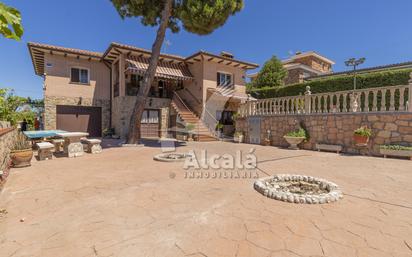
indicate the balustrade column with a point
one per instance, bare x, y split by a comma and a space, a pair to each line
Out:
383, 102
392, 100
410, 96
402, 99
366, 102
375, 101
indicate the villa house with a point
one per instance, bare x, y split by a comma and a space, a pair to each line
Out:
91, 91
302, 66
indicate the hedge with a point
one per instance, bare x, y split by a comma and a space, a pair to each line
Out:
338, 83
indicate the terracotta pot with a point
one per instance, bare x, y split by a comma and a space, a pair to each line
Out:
360, 140
294, 141
21, 158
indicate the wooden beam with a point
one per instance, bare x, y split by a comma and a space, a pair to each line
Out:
51, 52
210, 59
197, 60
237, 65
229, 63
220, 61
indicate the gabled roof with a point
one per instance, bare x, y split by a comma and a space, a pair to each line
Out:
396, 66
306, 54
37, 52
222, 59
116, 48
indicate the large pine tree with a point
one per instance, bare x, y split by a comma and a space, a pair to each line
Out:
196, 16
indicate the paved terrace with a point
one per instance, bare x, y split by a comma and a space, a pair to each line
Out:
121, 203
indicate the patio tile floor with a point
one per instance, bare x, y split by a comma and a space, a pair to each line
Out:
122, 203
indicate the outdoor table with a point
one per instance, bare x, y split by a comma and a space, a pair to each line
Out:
72, 145
37, 136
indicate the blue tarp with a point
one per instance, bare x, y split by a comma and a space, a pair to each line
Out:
42, 133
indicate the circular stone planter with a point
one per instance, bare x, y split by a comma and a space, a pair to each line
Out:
171, 157
294, 141
298, 189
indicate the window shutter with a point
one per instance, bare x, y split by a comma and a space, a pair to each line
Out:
218, 79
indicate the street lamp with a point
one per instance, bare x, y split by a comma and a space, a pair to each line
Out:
352, 62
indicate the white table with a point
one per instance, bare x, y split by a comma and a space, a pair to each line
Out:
72, 145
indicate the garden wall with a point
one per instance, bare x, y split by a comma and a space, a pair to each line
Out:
7, 138
337, 128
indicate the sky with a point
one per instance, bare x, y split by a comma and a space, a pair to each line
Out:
379, 30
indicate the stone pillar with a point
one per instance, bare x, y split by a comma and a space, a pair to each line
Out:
122, 79
308, 102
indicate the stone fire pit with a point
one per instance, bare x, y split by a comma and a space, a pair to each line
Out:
171, 157
298, 189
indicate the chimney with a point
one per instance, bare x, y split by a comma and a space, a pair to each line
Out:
226, 54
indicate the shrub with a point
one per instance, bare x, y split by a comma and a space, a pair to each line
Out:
396, 147
363, 131
297, 133
337, 83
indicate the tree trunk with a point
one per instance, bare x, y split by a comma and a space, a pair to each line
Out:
134, 134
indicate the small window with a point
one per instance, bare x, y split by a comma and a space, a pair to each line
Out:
78, 75
224, 79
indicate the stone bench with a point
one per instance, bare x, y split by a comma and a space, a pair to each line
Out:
330, 148
45, 150
93, 145
58, 144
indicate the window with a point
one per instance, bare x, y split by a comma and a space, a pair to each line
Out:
78, 75
224, 79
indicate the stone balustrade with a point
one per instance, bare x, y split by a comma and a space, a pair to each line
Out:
380, 99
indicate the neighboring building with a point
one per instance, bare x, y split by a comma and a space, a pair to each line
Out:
302, 66
90, 91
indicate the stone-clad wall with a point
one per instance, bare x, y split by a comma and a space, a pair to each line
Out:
50, 103
123, 108
7, 140
387, 128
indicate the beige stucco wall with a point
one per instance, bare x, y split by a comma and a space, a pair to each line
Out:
59, 90
210, 70
58, 78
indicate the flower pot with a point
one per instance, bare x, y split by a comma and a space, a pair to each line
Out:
21, 158
360, 140
294, 141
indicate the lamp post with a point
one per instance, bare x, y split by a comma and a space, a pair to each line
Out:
352, 62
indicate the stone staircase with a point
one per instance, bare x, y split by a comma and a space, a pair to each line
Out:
201, 132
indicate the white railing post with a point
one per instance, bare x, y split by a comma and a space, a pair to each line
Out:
308, 100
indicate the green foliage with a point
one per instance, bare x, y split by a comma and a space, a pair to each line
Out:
338, 83
297, 133
363, 131
271, 75
9, 104
190, 127
10, 22
396, 147
195, 16
21, 143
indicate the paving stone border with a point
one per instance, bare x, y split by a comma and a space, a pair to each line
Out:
263, 186
168, 157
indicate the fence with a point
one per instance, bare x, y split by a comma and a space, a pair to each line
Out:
380, 99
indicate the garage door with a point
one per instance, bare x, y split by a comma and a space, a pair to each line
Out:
79, 119
150, 126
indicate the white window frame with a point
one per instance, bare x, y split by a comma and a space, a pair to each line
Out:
231, 79
79, 68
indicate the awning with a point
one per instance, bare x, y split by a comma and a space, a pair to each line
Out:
231, 93
166, 70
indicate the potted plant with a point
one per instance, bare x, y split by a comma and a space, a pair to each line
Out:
219, 129
189, 128
361, 136
295, 137
21, 154
396, 150
238, 137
